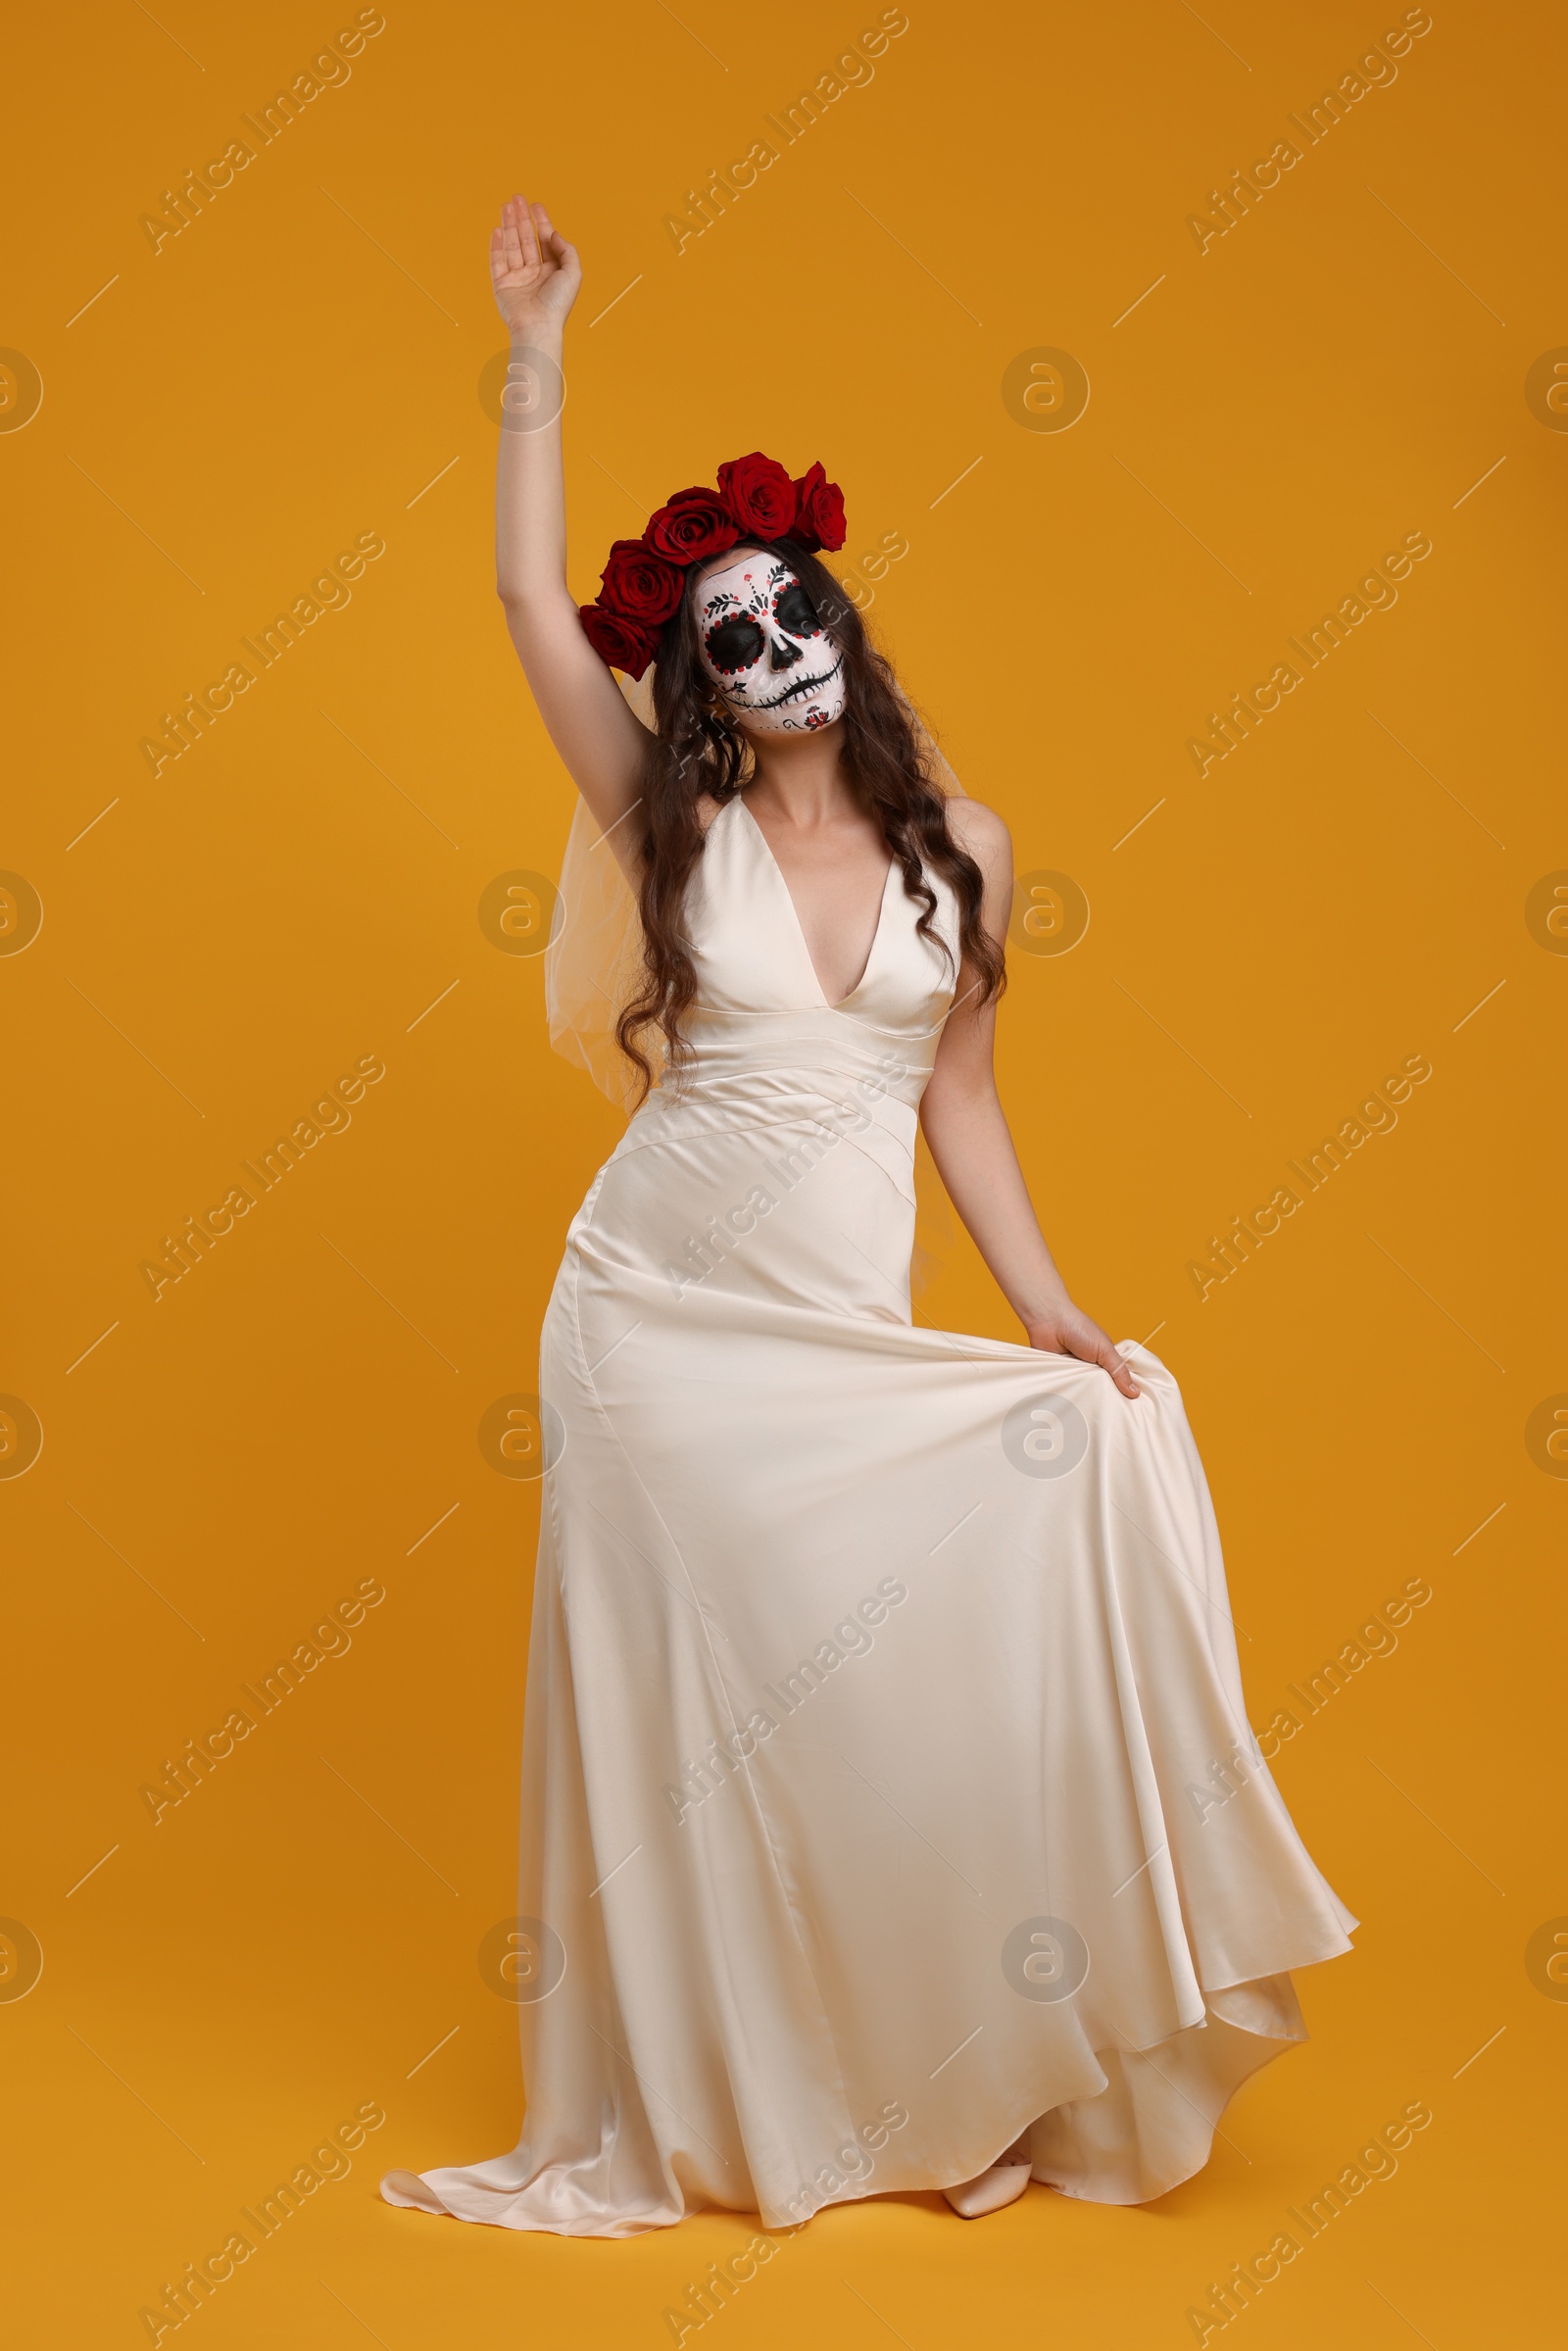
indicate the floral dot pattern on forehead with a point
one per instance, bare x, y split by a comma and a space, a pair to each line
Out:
645, 579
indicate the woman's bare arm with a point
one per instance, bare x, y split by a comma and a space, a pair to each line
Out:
536, 275
968, 1131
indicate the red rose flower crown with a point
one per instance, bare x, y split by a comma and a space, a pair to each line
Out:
645, 579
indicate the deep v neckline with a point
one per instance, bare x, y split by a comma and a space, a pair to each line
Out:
799, 927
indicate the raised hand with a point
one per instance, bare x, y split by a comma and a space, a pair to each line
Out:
535, 272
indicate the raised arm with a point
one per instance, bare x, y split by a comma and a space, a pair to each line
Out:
967, 1130
536, 275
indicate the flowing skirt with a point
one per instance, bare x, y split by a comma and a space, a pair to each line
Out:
888, 1789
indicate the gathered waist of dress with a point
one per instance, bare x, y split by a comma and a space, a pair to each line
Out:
831, 1053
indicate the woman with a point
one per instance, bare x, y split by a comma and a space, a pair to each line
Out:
891, 1820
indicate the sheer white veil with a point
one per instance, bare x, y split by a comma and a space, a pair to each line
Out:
594, 961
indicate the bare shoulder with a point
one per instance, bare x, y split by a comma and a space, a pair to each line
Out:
707, 809
981, 833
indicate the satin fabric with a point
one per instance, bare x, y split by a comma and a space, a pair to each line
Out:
888, 1789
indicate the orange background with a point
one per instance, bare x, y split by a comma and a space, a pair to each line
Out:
300, 365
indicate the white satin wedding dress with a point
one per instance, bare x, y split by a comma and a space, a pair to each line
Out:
888, 1790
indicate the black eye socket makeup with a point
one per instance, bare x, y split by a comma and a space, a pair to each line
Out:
796, 611
734, 645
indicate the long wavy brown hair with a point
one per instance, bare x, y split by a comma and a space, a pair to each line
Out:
884, 756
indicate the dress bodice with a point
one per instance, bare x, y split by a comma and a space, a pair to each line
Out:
759, 1004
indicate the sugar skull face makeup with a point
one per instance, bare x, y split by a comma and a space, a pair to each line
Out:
765, 650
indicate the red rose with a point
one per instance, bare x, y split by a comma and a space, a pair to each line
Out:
622, 644
691, 527
639, 584
818, 511
759, 493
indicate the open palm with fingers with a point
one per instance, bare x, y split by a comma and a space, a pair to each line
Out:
535, 272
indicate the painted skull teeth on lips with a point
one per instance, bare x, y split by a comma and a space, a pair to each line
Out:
763, 646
